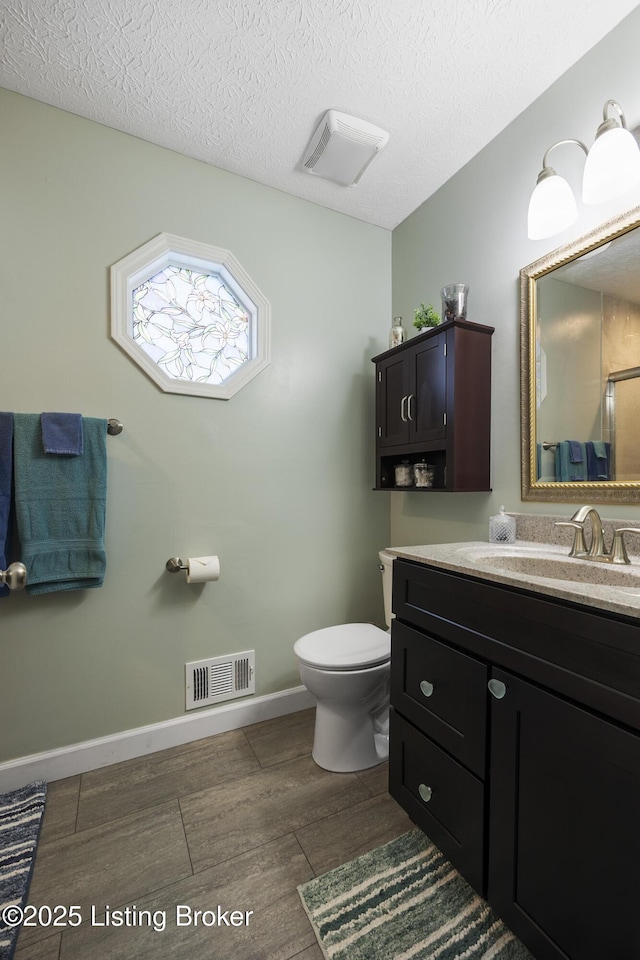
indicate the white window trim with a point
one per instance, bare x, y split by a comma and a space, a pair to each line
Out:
150, 259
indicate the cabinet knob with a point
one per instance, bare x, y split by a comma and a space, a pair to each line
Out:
497, 688
426, 688
425, 792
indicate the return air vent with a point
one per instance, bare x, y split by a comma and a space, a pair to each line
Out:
222, 678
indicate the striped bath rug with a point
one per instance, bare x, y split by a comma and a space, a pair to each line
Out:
20, 818
404, 901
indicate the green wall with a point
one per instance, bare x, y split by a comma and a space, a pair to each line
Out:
474, 230
277, 481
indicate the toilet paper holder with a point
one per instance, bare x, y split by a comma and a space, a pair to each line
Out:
175, 565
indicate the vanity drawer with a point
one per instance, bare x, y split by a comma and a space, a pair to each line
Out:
442, 691
440, 796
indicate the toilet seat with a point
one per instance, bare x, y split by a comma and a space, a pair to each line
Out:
348, 646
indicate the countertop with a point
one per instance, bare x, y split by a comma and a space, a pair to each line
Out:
476, 559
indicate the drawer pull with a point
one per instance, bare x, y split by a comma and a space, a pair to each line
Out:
426, 688
497, 688
425, 792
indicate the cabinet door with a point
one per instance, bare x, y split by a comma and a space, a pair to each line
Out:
564, 842
392, 386
426, 406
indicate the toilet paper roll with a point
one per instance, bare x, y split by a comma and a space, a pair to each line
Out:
202, 569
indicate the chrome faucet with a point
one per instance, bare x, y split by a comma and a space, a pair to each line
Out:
597, 550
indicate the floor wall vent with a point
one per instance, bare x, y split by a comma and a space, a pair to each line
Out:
221, 678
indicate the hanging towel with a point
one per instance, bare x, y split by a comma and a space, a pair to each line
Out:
568, 470
601, 449
6, 481
576, 451
598, 460
60, 508
62, 433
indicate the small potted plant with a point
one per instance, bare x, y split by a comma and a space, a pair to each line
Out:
426, 317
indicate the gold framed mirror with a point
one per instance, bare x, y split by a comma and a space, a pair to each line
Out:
580, 368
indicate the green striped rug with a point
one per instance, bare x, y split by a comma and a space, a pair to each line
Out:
404, 901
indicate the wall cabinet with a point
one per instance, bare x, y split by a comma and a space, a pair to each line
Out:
515, 746
433, 402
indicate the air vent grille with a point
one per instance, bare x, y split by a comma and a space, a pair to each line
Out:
221, 678
319, 150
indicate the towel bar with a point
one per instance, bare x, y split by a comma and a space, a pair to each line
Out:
15, 576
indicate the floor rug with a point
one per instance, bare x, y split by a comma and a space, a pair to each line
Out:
20, 818
404, 901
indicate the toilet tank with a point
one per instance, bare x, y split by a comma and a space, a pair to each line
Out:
386, 566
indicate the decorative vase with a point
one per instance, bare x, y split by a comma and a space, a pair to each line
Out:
398, 333
454, 301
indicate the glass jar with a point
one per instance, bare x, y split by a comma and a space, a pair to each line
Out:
398, 333
454, 301
423, 474
403, 474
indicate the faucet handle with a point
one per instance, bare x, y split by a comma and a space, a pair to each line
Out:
579, 548
619, 548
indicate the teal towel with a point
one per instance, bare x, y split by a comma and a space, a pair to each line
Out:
60, 508
600, 449
568, 470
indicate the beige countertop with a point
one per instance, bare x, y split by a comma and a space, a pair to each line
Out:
606, 586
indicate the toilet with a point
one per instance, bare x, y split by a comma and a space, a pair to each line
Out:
347, 669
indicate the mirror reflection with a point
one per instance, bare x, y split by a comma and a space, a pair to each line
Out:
581, 311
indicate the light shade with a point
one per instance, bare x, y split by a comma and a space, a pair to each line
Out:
612, 167
552, 207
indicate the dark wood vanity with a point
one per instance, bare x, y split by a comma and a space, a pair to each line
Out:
515, 746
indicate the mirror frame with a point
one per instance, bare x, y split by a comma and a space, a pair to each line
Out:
610, 491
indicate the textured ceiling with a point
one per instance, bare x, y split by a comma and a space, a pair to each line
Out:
241, 84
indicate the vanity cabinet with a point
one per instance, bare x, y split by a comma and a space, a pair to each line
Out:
433, 403
515, 746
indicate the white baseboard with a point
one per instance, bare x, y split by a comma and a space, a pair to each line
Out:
91, 754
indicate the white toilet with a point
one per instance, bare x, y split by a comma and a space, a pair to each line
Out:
347, 669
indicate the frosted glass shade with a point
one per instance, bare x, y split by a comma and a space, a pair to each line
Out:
612, 167
552, 208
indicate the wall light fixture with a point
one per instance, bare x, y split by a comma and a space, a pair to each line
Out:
612, 167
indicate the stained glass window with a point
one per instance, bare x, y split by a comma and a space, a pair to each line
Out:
190, 316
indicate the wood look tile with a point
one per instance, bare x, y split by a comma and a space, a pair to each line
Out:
263, 881
123, 788
336, 839
376, 779
282, 738
311, 953
61, 809
223, 821
112, 863
48, 949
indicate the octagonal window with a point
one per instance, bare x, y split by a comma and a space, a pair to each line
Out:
189, 315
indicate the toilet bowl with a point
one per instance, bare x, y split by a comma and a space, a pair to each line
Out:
347, 667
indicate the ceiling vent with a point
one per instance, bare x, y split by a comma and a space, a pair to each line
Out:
342, 148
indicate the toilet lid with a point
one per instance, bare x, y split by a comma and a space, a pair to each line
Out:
349, 646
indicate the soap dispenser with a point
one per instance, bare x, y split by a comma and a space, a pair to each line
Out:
502, 528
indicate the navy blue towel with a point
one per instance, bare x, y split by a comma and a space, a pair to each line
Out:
6, 486
598, 460
62, 433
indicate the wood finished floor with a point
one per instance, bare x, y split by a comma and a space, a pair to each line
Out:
237, 820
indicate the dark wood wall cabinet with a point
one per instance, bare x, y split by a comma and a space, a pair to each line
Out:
515, 746
433, 403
